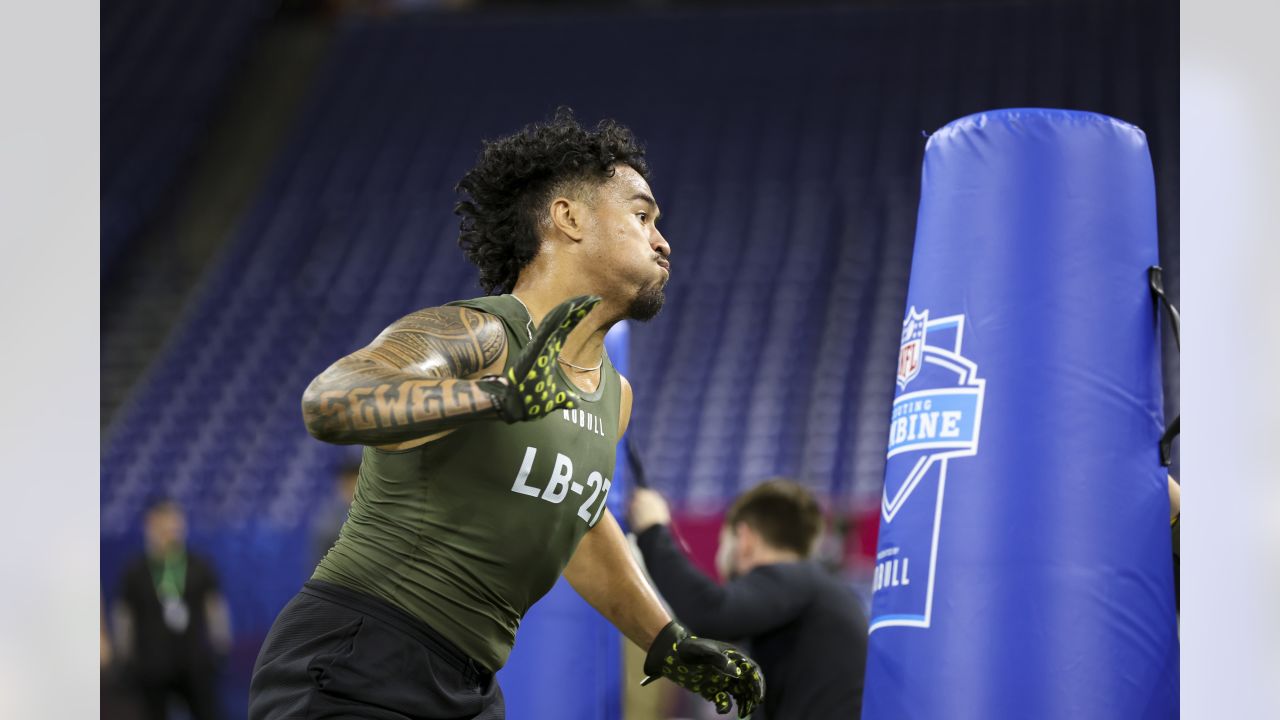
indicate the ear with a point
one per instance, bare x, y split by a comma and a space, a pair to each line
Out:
748, 541
568, 216
726, 553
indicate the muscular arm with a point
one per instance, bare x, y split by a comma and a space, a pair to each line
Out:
415, 379
604, 572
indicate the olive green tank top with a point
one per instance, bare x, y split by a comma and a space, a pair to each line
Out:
468, 531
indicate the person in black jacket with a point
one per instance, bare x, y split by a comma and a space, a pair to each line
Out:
172, 627
804, 627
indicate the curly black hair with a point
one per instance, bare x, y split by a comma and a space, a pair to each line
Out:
517, 176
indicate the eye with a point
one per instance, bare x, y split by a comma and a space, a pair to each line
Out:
644, 217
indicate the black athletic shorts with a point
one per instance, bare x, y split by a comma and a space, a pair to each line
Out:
337, 653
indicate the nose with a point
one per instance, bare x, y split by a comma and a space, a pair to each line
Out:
660, 244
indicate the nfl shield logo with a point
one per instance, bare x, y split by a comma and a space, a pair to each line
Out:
913, 329
932, 424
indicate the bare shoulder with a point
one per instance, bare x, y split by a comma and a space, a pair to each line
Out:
624, 405
443, 341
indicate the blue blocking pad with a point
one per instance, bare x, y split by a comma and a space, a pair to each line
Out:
1024, 563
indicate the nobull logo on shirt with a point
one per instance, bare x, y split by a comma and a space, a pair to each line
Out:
936, 416
585, 420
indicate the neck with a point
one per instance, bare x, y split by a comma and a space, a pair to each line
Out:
585, 345
161, 551
770, 556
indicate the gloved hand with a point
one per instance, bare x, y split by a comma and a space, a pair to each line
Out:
529, 390
717, 671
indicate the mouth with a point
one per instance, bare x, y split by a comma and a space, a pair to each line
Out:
665, 265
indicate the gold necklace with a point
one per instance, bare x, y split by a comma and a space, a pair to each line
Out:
528, 327
579, 367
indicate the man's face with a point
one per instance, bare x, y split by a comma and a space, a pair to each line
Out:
166, 528
630, 251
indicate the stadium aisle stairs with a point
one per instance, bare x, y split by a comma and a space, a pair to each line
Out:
145, 297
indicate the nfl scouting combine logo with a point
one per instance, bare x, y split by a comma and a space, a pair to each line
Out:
937, 412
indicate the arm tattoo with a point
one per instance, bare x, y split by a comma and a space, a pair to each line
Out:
410, 382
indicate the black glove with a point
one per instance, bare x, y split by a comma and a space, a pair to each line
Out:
529, 389
717, 671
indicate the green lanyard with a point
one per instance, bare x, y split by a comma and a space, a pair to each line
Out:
170, 575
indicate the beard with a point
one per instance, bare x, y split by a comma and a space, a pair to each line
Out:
646, 304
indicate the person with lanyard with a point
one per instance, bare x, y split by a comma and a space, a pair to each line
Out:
172, 626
